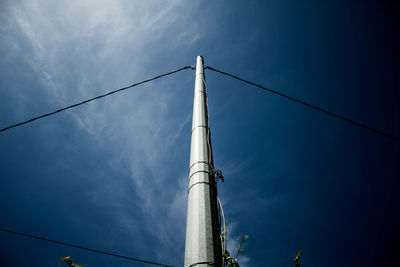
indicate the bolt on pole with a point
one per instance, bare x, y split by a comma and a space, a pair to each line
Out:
203, 243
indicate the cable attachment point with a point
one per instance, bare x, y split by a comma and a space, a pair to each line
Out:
217, 174
192, 67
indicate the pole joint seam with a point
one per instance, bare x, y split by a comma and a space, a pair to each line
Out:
200, 183
202, 262
203, 126
197, 162
190, 177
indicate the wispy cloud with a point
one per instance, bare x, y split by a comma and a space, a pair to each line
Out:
81, 49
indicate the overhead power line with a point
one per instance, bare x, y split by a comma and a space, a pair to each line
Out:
396, 138
84, 248
92, 99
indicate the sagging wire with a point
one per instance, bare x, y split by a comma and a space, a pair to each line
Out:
81, 247
391, 136
93, 99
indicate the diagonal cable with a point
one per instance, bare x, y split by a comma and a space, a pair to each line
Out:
83, 248
393, 137
92, 99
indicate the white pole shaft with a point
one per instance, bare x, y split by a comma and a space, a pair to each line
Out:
202, 228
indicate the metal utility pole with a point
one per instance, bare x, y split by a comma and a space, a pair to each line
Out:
203, 243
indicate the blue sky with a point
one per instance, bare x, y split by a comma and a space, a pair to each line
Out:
112, 174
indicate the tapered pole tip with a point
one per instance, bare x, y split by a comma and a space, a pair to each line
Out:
200, 58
